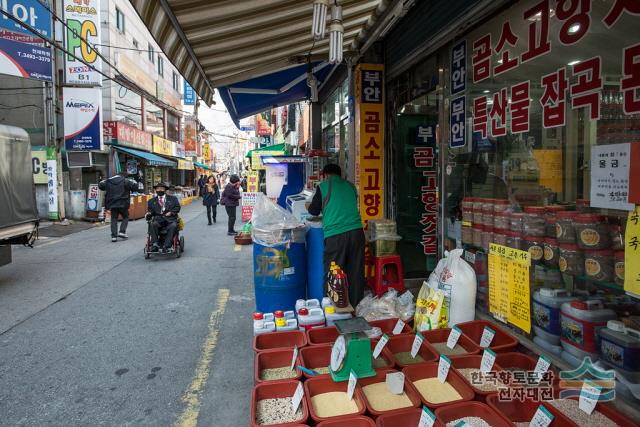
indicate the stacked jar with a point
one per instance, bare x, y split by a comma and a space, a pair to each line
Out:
487, 212
477, 211
500, 227
619, 267
594, 237
565, 229
477, 234
467, 220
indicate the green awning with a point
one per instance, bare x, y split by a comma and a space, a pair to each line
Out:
150, 158
201, 165
277, 147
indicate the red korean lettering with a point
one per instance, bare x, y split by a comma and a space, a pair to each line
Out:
499, 113
427, 218
429, 198
481, 59
431, 181
553, 99
480, 115
423, 157
430, 245
429, 228
373, 179
520, 103
632, 7
372, 148
538, 42
630, 81
586, 91
371, 122
576, 17
507, 37
372, 203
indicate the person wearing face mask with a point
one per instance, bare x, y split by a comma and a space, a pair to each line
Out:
162, 212
231, 199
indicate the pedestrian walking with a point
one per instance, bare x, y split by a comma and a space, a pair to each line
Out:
231, 199
211, 197
201, 182
117, 200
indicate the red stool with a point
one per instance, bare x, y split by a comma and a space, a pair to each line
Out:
387, 273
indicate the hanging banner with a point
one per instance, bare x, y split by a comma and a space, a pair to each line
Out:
52, 183
189, 97
425, 170
190, 140
369, 174
253, 185
82, 119
82, 18
206, 153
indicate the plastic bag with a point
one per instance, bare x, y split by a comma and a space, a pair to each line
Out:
429, 309
457, 279
274, 225
387, 306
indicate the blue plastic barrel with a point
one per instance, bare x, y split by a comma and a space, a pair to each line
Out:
315, 263
279, 275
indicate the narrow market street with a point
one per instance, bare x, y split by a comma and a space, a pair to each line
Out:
91, 333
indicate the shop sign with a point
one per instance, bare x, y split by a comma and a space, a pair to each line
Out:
610, 167
263, 128
23, 53
457, 122
82, 19
132, 167
186, 165
248, 202
256, 158
190, 140
424, 160
206, 153
93, 198
369, 175
253, 184
39, 165
178, 150
82, 119
52, 183
162, 146
459, 67
426, 135
631, 266
189, 95
116, 133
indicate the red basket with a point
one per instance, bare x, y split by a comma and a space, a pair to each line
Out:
319, 385
380, 377
473, 361
450, 413
502, 341
524, 362
385, 354
442, 335
274, 340
315, 356
523, 411
612, 414
275, 390
320, 336
430, 370
274, 359
408, 417
359, 421
402, 343
387, 326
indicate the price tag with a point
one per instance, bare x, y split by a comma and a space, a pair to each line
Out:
427, 418
541, 367
395, 382
542, 417
488, 359
351, 387
470, 257
589, 396
487, 337
443, 368
378, 348
406, 298
453, 337
398, 328
417, 343
297, 397
294, 357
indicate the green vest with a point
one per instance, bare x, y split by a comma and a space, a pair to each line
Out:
339, 206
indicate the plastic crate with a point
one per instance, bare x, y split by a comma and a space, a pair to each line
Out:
403, 343
502, 341
321, 336
275, 340
381, 377
275, 390
442, 335
430, 370
319, 385
274, 359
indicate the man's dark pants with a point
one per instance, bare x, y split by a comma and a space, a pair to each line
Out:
231, 212
347, 251
157, 225
115, 213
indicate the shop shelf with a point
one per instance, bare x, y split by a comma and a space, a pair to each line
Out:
278, 358
319, 385
359, 421
380, 377
320, 336
442, 335
473, 361
502, 341
518, 411
450, 413
430, 370
273, 340
276, 390
409, 417
403, 343
387, 326
523, 362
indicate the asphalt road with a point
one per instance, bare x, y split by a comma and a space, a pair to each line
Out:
92, 334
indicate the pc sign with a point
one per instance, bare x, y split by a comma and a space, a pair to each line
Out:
82, 34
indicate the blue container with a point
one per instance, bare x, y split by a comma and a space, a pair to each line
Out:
279, 275
315, 263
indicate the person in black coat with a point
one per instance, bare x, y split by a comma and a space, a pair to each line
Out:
117, 200
231, 200
210, 198
162, 213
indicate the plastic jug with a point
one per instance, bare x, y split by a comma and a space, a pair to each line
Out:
620, 346
263, 326
326, 301
283, 324
580, 322
310, 318
309, 303
546, 313
331, 315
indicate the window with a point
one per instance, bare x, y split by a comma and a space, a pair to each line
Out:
160, 66
152, 54
119, 20
128, 107
153, 118
176, 81
136, 45
173, 127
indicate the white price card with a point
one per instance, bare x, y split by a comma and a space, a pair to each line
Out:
294, 357
398, 328
297, 397
381, 343
542, 417
542, 366
589, 397
351, 387
487, 337
443, 368
427, 418
488, 359
395, 382
454, 335
417, 343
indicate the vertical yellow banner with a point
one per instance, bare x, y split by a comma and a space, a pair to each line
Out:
632, 253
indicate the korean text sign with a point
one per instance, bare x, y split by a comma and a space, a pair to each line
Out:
424, 161
83, 24
82, 118
189, 97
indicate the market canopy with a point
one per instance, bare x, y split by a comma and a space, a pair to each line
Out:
201, 165
270, 148
150, 158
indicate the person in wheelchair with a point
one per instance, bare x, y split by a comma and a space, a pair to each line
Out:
162, 215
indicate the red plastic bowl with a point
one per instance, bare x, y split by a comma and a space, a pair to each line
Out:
612, 414
320, 336
522, 362
387, 325
450, 413
502, 341
409, 417
315, 356
402, 343
380, 377
274, 359
319, 385
385, 354
430, 370
275, 390
442, 335
523, 411
473, 361
359, 421
274, 340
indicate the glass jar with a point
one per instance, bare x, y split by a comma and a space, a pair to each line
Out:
487, 237
467, 235
500, 206
467, 209
571, 259
550, 226
477, 235
533, 223
598, 265
616, 234
501, 221
514, 240
592, 232
487, 219
477, 205
515, 221
477, 217
499, 237
618, 267
535, 246
565, 229
551, 253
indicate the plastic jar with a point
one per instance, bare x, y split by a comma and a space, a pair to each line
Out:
592, 232
477, 234
501, 221
598, 265
618, 267
477, 205
467, 209
533, 223
487, 219
535, 246
551, 252
616, 234
487, 237
499, 237
477, 217
514, 240
565, 229
550, 225
571, 259
515, 221
467, 235
500, 206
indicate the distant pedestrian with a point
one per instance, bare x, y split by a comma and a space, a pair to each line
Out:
210, 198
231, 200
117, 200
201, 183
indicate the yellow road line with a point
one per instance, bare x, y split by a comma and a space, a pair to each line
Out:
191, 397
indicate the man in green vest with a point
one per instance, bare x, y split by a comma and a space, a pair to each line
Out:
337, 200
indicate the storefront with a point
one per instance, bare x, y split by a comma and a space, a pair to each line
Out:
335, 125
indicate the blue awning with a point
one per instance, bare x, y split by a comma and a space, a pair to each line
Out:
150, 158
244, 99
